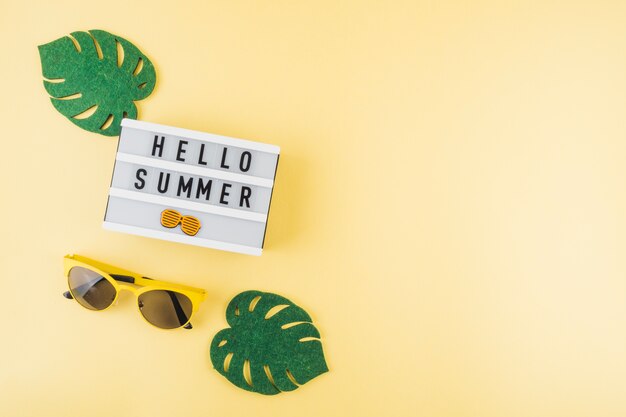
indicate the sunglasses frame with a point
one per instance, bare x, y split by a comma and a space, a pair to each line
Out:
183, 221
123, 280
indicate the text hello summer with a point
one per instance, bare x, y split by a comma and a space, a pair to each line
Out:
188, 186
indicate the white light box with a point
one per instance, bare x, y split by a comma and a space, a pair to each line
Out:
191, 187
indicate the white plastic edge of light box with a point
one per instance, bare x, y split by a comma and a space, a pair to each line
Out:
195, 170
189, 205
207, 137
207, 243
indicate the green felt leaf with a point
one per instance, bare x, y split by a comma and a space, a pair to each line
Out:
83, 74
281, 349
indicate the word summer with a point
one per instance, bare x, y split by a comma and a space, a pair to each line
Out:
193, 188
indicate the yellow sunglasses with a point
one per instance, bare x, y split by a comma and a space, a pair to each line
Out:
188, 224
95, 286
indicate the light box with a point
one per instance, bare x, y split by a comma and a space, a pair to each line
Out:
191, 187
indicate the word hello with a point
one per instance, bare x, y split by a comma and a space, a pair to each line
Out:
245, 160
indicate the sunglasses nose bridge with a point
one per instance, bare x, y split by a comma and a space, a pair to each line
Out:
123, 288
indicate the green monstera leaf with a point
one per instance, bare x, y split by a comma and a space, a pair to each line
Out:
272, 346
94, 77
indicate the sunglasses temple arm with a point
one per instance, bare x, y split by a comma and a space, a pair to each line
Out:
123, 278
180, 314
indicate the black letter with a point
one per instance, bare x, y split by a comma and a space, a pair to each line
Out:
223, 164
200, 161
167, 182
181, 150
224, 193
184, 187
157, 145
241, 163
142, 184
246, 192
202, 189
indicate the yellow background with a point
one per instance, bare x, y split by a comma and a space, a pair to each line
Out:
449, 207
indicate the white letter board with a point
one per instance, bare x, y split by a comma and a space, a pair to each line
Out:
191, 187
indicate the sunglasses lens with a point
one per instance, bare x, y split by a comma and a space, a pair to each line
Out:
170, 218
190, 225
165, 309
91, 289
